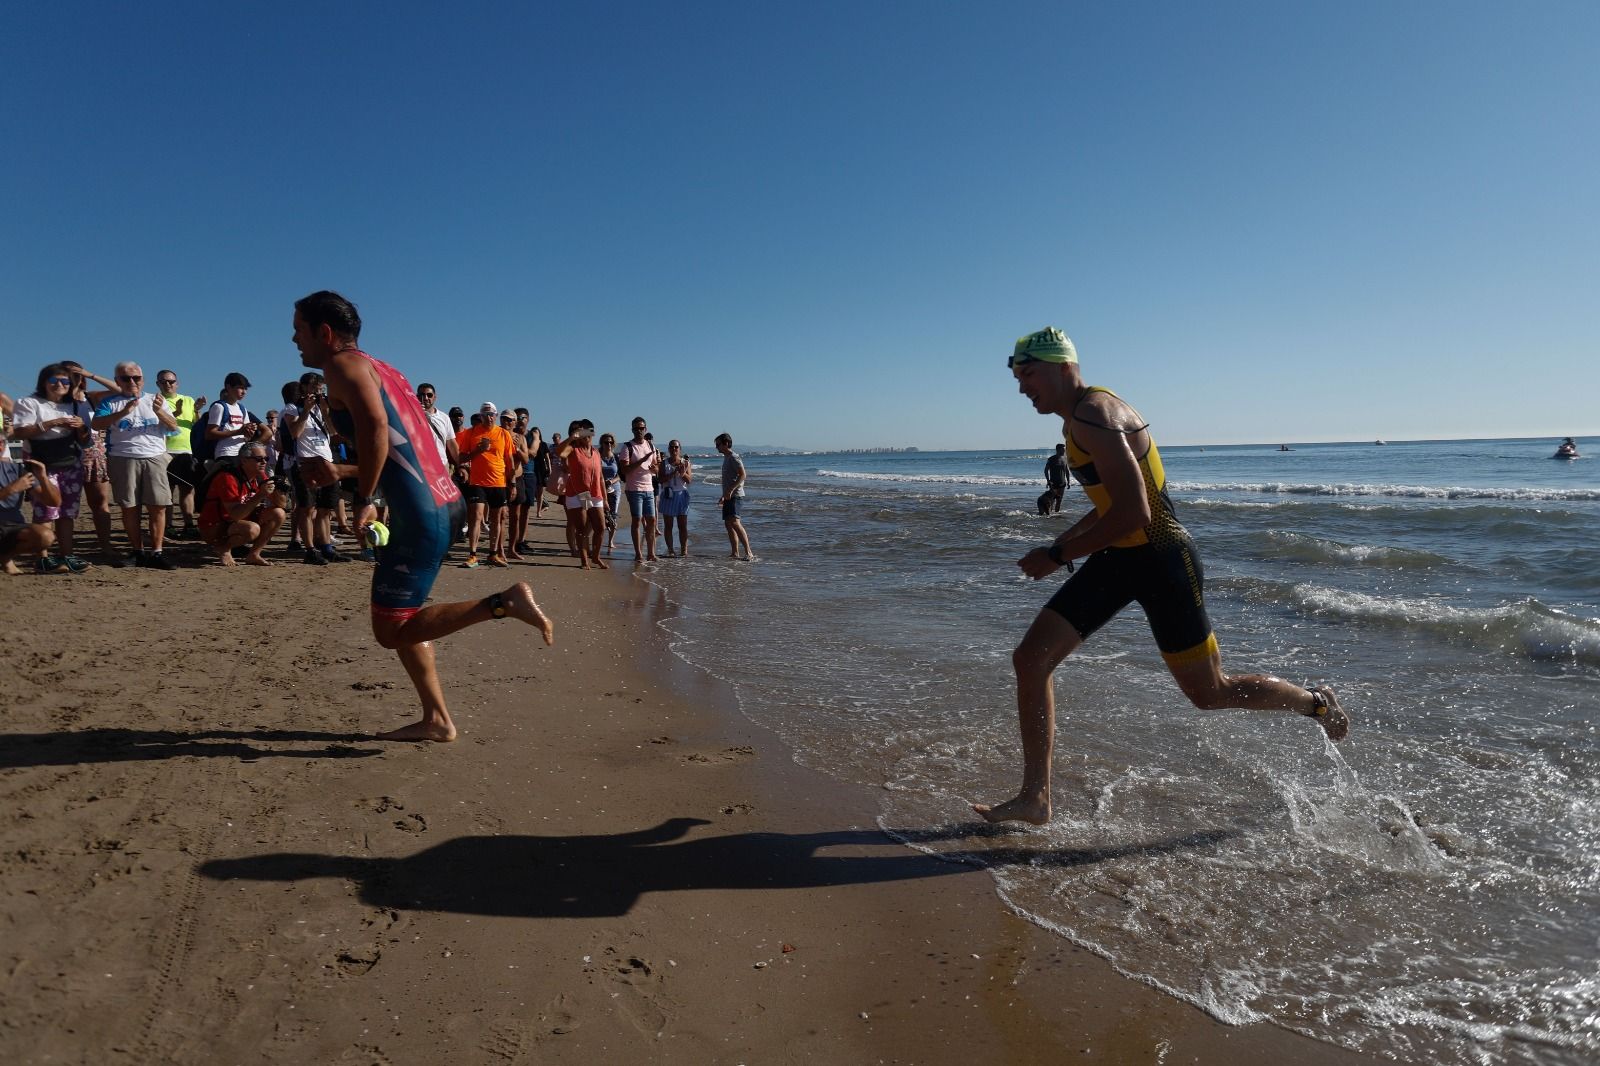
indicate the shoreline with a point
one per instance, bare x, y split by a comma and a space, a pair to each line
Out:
207, 859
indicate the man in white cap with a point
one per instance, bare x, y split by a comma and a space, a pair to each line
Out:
489, 454
1136, 551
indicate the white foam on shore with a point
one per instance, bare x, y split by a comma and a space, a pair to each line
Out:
1419, 492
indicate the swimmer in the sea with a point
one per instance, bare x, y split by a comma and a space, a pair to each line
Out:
372, 403
1136, 551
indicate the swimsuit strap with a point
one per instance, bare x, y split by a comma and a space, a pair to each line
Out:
1099, 425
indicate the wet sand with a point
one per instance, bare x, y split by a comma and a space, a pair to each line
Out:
207, 859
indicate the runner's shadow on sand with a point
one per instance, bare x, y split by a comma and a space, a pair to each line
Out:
71, 747
603, 876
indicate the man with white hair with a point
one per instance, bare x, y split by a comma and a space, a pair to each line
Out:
241, 507
490, 454
137, 424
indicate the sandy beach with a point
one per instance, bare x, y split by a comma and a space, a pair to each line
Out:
206, 859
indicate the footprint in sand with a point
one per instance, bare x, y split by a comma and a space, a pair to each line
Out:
353, 962
507, 1039
638, 992
738, 808
738, 754
381, 805
412, 823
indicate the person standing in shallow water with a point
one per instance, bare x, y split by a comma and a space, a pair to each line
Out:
1136, 551
372, 403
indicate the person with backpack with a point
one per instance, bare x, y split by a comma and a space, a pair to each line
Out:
228, 425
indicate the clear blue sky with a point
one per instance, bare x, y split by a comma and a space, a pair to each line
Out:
823, 224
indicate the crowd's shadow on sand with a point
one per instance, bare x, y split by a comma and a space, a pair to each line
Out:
601, 876
71, 747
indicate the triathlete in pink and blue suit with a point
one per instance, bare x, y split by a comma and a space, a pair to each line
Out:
371, 402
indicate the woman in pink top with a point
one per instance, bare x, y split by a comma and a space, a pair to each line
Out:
585, 493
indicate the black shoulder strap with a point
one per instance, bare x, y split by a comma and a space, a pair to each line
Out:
1100, 425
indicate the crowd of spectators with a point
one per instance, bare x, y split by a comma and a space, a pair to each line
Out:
180, 469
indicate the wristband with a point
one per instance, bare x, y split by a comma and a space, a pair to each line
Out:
363, 501
1054, 551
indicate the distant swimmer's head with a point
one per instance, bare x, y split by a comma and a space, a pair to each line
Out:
1048, 345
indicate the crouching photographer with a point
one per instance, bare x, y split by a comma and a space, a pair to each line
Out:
242, 507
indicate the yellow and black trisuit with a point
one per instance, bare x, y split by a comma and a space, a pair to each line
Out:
1156, 564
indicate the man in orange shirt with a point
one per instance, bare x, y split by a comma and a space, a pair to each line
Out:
488, 452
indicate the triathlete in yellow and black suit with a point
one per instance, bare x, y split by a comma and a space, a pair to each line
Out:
1156, 564
1135, 550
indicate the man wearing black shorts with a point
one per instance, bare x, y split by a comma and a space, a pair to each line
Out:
489, 454
1136, 551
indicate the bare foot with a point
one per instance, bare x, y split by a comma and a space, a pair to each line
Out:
423, 730
496, 560
583, 562
1329, 715
514, 555
226, 559
255, 559
11, 568
651, 558
601, 563
520, 603
1021, 809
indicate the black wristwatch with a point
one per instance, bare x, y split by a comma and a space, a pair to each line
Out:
362, 501
1054, 551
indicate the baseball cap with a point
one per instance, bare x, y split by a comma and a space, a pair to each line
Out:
488, 409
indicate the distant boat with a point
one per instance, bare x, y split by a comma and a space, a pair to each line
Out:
1380, 442
1285, 448
1568, 449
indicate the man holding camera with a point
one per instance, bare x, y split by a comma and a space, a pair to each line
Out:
307, 425
228, 424
241, 508
18, 481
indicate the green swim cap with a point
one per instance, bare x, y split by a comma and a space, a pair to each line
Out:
1048, 345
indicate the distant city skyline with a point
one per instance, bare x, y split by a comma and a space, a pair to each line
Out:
824, 224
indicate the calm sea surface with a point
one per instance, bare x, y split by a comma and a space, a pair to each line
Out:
1430, 890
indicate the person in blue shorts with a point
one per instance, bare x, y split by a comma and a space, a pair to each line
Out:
371, 403
732, 499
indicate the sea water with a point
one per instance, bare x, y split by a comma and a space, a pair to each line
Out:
1429, 889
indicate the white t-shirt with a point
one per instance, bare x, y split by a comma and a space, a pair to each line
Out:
227, 416
31, 411
442, 431
138, 435
312, 443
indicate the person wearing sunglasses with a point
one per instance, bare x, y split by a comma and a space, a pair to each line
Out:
241, 508
137, 424
183, 472
54, 429
1136, 550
